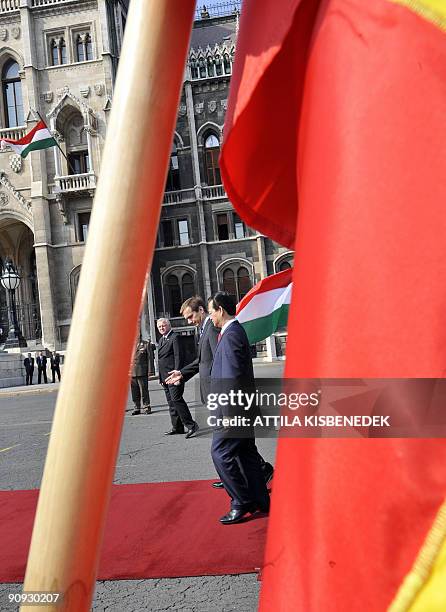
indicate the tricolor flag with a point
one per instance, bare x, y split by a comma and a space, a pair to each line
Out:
38, 138
335, 146
264, 309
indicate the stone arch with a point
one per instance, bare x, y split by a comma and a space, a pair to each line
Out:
209, 126
73, 279
288, 256
7, 53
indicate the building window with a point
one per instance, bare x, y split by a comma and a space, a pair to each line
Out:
173, 176
83, 223
212, 153
58, 51
183, 232
239, 227
84, 47
284, 265
166, 233
236, 280
222, 226
78, 162
179, 286
12, 94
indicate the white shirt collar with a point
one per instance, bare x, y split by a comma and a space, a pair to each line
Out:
226, 325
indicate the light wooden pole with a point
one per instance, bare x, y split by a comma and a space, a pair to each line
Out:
88, 420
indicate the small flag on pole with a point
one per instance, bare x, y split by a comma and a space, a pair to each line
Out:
38, 138
264, 309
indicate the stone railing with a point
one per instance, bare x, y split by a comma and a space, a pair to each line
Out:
13, 133
75, 182
176, 197
213, 192
7, 6
36, 3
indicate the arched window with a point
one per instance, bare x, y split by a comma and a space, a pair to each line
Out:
193, 68
229, 282
218, 65
179, 285
236, 280
80, 49
285, 265
227, 63
243, 282
77, 144
12, 94
173, 176
88, 47
211, 71
212, 153
58, 51
202, 66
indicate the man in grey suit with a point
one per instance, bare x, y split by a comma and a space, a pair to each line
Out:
170, 357
139, 382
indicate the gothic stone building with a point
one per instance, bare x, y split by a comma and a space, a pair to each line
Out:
58, 59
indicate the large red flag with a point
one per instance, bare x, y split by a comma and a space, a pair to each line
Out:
335, 144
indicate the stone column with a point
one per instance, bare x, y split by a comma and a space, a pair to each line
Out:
198, 193
270, 341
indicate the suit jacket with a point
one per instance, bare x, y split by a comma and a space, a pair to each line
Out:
202, 364
170, 355
29, 364
41, 362
142, 358
232, 369
55, 361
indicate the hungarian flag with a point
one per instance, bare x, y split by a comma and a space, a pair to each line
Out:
335, 145
38, 138
264, 309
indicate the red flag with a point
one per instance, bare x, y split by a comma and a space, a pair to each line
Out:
335, 143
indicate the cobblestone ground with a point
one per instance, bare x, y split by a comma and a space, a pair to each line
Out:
145, 456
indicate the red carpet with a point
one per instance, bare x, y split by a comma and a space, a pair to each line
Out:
162, 530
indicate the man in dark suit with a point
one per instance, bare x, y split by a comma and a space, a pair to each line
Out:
195, 312
41, 368
234, 451
29, 368
170, 357
55, 366
139, 381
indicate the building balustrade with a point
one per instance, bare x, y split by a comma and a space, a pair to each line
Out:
176, 197
7, 6
75, 182
13, 133
37, 3
213, 192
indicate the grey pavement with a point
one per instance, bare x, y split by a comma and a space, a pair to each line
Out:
145, 455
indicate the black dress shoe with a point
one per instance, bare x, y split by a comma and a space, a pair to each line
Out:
190, 432
136, 411
218, 484
235, 516
173, 432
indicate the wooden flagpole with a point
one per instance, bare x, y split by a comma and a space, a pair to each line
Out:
89, 414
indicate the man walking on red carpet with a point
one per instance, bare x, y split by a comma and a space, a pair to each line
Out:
233, 450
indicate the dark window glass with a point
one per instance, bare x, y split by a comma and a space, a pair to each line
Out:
212, 153
173, 176
188, 287
84, 222
202, 66
63, 51
218, 65
174, 295
229, 282
239, 227
12, 94
211, 70
194, 69
222, 226
285, 265
88, 47
167, 233
79, 162
183, 231
243, 282
80, 50
54, 53
227, 63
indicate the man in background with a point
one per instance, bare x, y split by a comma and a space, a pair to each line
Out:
55, 366
139, 382
29, 368
41, 368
